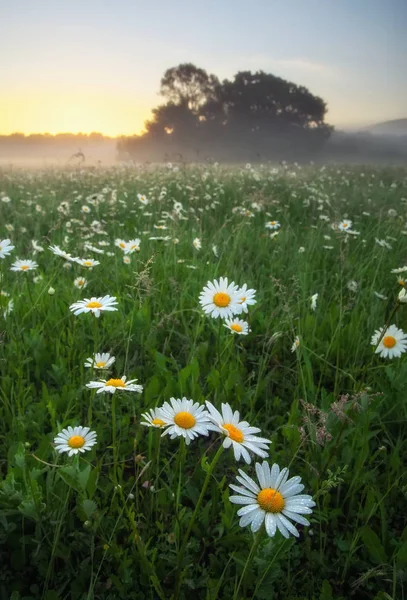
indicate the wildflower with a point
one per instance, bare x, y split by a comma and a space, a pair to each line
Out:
296, 344
246, 298
58, 252
273, 225
237, 326
402, 297
132, 246
94, 305
185, 418
85, 209
399, 270
345, 225
314, 301
393, 342
380, 296
153, 418
383, 244
36, 247
301, 249
126, 260
23, 265
352, 286
121, 244
220, 299
5, 199
5, 248
275, 502
74, 440
100, 361
80, 283
142, 199
215, 251
111, 385
51, 291
197, 244
239, 434
89, 263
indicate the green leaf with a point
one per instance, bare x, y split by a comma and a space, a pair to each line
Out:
89, 507
326, 591
373, 545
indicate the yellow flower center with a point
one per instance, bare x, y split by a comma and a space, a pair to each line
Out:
94, 304
272, 222
221, 299
134, 246
24, 267
389, 341
100, 364
76, 441
270, 500
243, 299
234, 432
87, 263
116, 383
158, 422
345, 225
122, 245
236, 327
185, 420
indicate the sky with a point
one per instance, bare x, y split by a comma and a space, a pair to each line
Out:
96, 65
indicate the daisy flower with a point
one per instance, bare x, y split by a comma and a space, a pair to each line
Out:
345, 225
276, 501
402, 297
89, 263
393, 342
314, 301
142, 199
185, 418
94, 305
220, 298
126, 260
197, 244
153, 418
5, 248
239, 434
121, 244
111, 385
100, 361
80, 283
296, 344
237, 326
246, 298
58, 252
399, 270
74, 440
23, 265
132, 246
273, 225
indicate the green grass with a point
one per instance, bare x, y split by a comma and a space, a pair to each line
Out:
112, 524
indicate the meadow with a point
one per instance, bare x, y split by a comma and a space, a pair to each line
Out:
143, 508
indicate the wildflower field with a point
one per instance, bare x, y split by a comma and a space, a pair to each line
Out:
203, 383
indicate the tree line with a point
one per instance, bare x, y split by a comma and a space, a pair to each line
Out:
253, 115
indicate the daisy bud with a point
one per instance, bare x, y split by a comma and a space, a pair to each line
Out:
51, 291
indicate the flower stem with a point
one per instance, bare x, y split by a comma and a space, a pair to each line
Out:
114, 448
192, 521
249, 560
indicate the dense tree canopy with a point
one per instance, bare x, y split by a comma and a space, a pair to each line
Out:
253, 115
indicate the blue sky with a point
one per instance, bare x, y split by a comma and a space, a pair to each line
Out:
96, 64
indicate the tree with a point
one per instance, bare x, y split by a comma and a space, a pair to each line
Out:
188, 85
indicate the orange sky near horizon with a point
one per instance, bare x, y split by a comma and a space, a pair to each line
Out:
46, 112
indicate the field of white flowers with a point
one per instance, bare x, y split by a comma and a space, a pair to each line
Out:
203, 383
